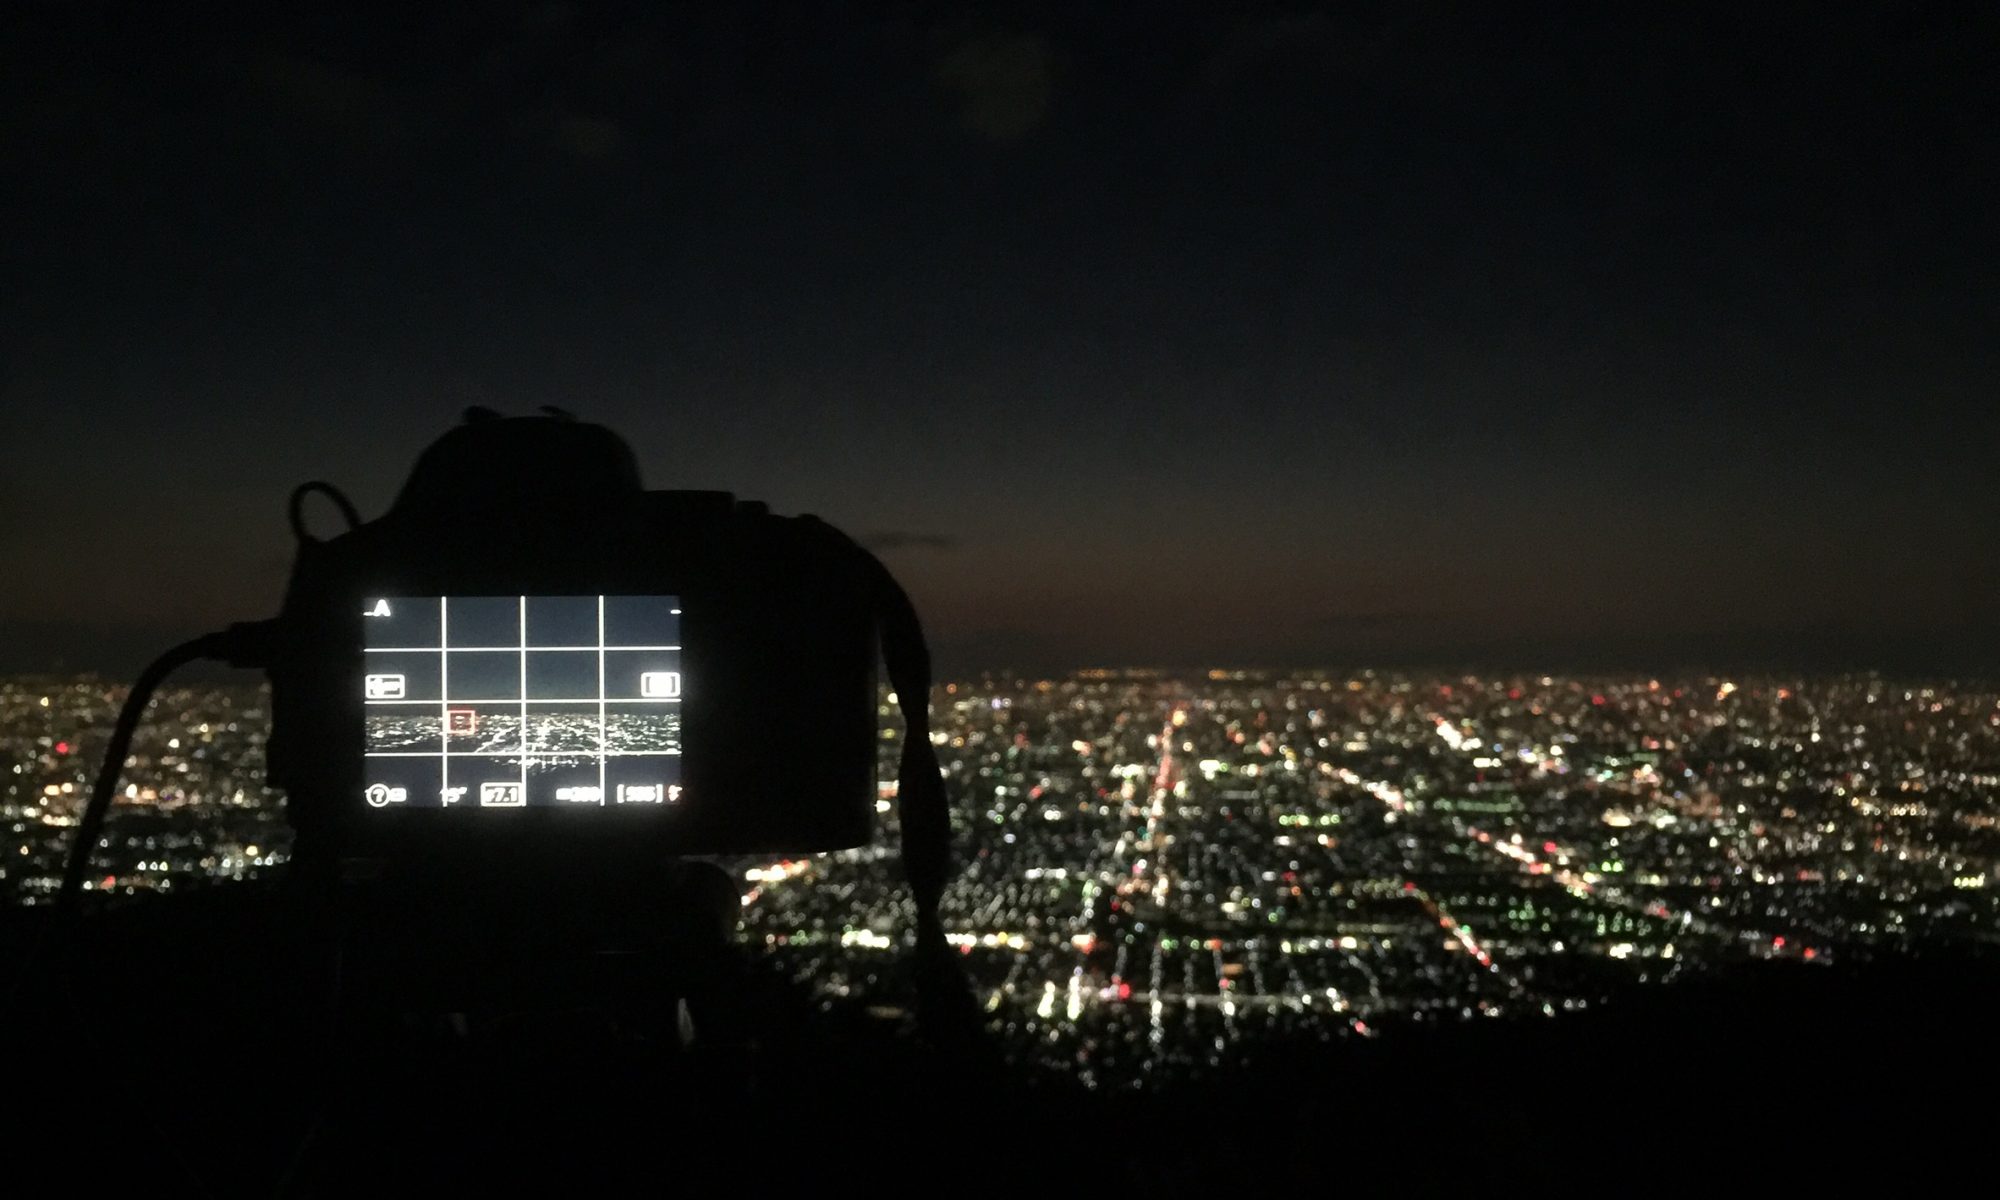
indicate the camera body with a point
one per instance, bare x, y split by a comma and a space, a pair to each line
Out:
530, 656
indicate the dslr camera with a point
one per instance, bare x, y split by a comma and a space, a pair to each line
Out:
512, 715
531, 656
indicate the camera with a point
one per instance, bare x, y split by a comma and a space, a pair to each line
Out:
513, 714
530, 655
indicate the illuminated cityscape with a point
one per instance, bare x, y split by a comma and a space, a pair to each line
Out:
1445, 544
1154, 869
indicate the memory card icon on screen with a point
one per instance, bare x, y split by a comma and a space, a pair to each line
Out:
382, 687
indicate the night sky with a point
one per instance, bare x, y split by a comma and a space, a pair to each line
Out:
1641, 336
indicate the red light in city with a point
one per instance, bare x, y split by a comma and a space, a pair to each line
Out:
62, 747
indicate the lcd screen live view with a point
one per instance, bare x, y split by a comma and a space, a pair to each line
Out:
497, 702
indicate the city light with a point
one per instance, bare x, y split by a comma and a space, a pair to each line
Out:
1151, 870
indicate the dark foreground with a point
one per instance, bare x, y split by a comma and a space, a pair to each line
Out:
179, 1046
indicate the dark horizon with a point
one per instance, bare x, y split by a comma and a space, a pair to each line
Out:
115, 655
1225, 336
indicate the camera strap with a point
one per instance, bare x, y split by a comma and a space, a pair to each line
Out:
945, 1005
921, 805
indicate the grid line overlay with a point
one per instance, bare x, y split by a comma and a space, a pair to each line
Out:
540, 699
511, 649
444, 700
603, 733
511, 754
524, 701
558, 748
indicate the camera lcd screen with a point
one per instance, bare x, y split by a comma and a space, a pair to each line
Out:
514, 702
